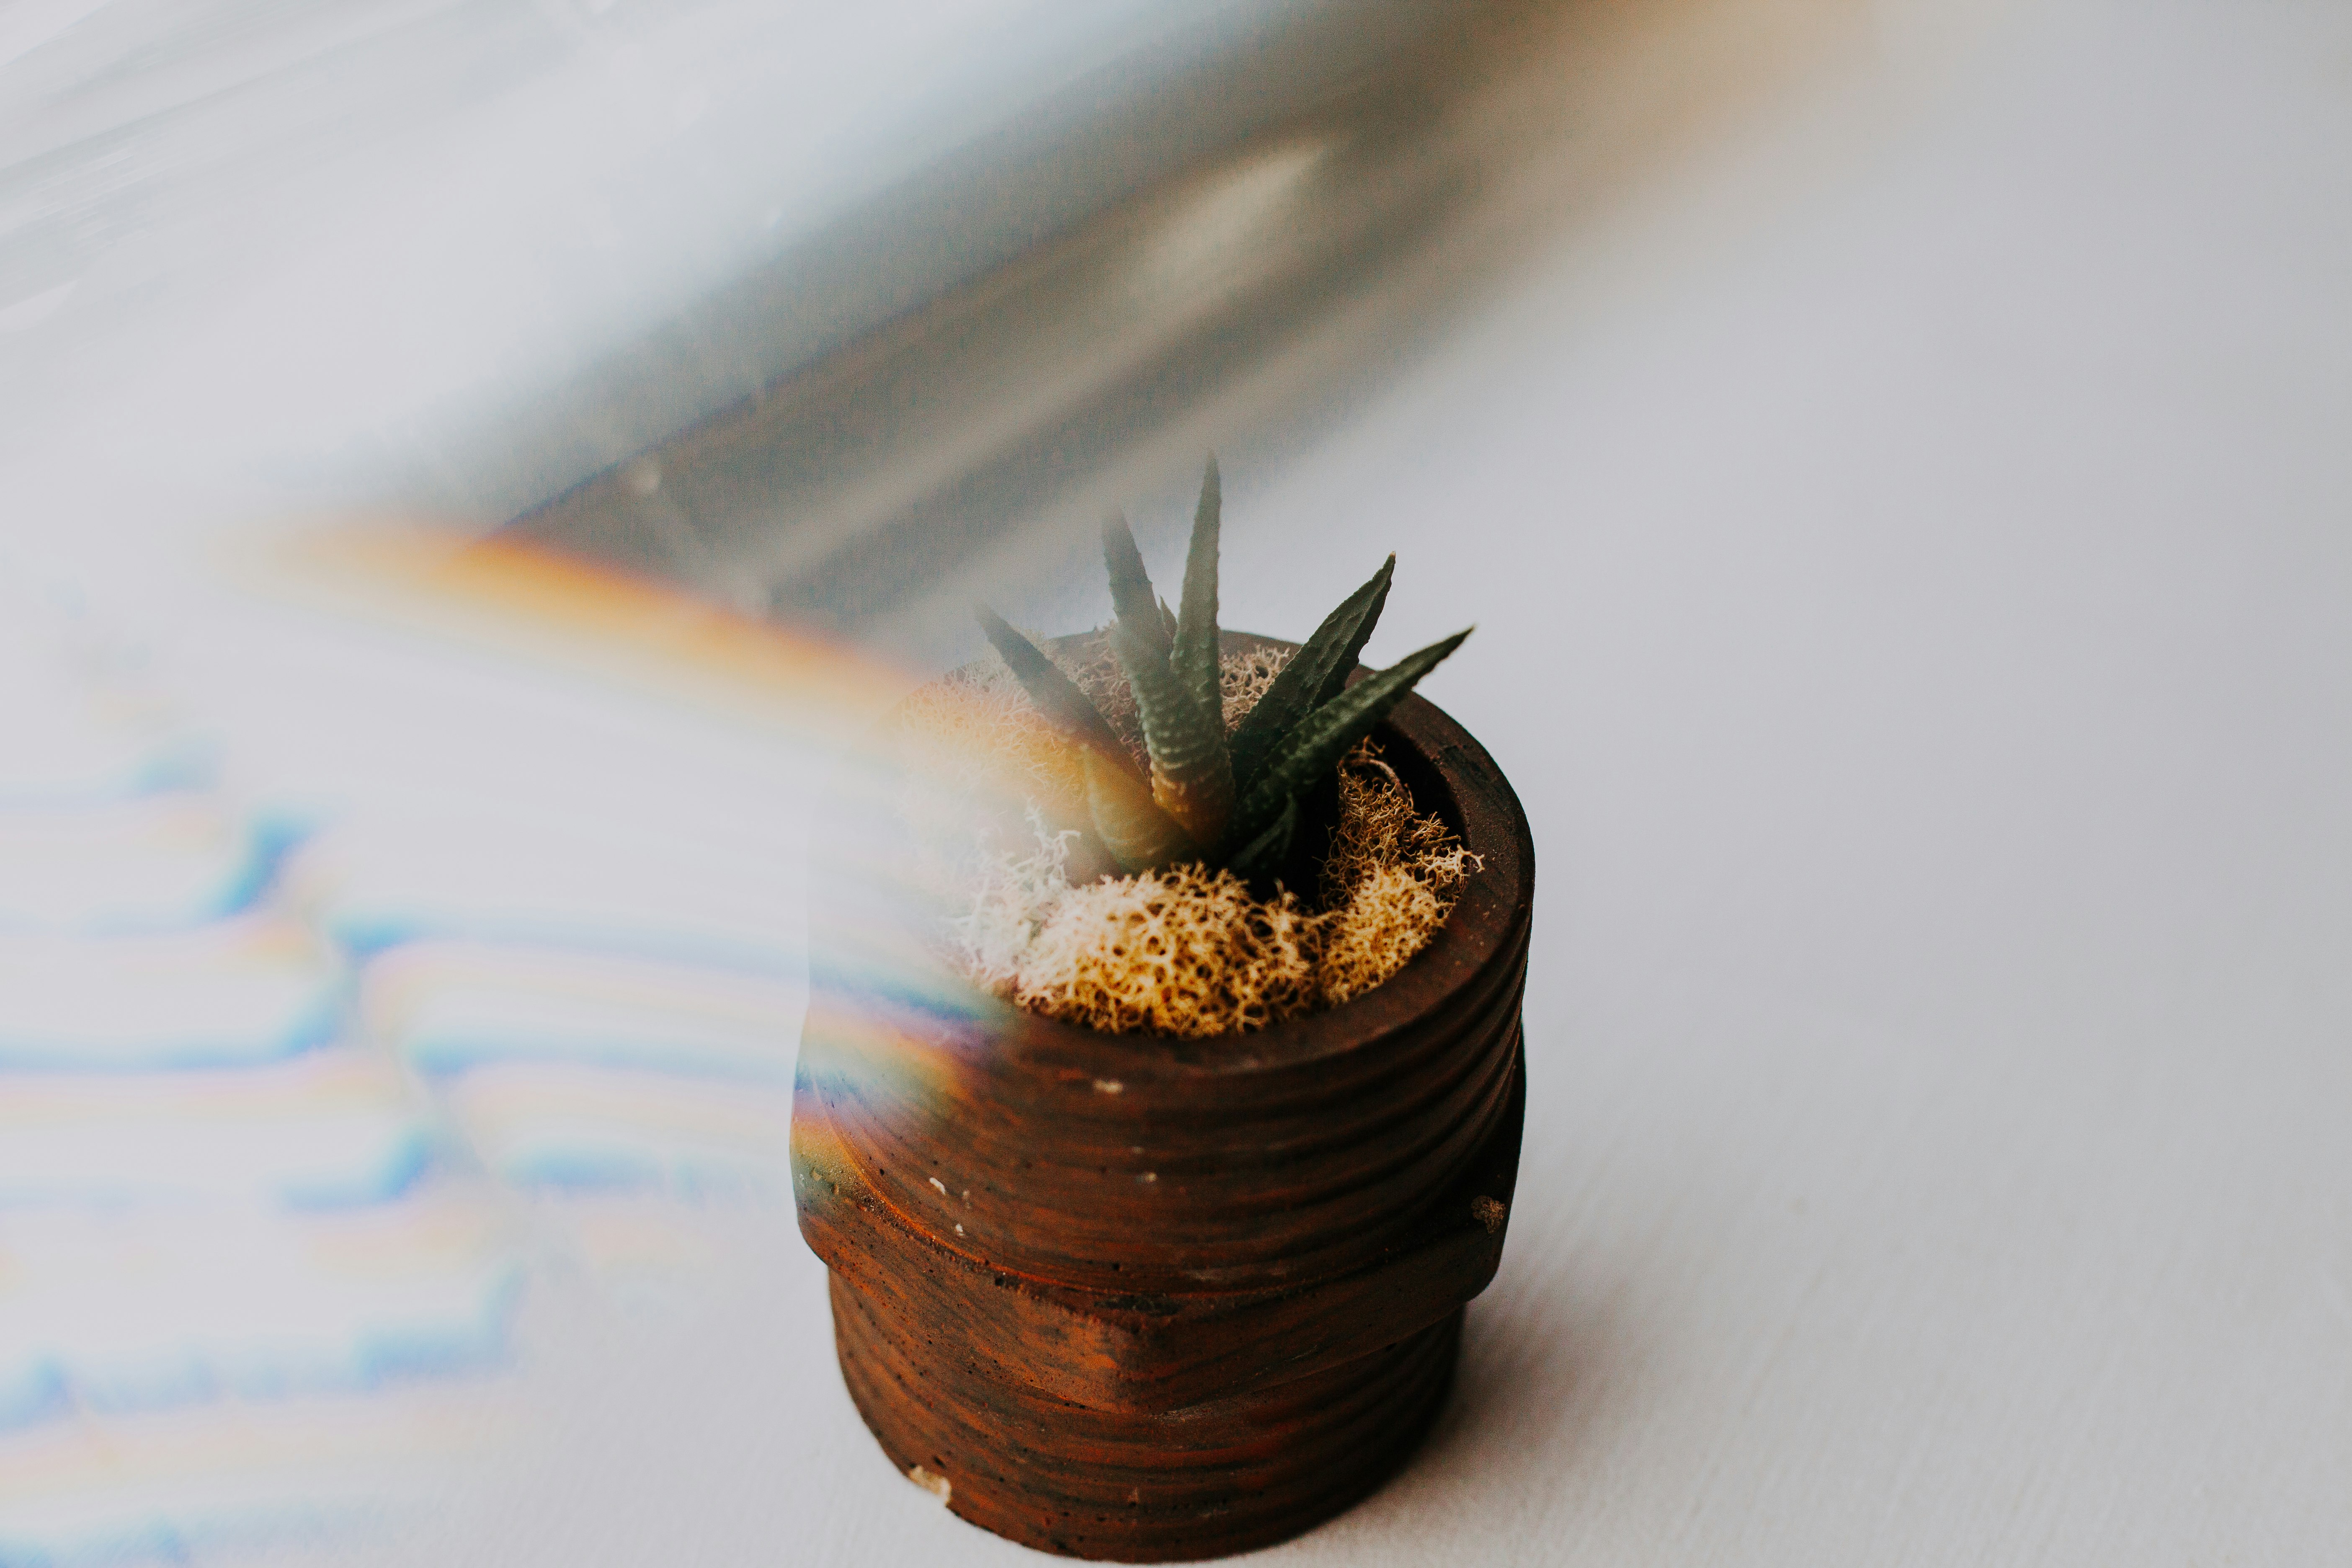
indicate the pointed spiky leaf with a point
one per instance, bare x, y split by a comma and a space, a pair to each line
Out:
1130, 584
1190, 777
1315, 747
1138, 835
1352, 650
1264, 853
1194, 658
1295, 692
1057, 696
1167, 619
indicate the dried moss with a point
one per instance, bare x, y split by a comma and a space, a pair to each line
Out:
1176, 952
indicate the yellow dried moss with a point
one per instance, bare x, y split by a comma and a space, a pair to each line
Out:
1389, 879
1185, 952
1178, 951
1168, 952
1242, 679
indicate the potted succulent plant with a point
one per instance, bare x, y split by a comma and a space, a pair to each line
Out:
1173, 1264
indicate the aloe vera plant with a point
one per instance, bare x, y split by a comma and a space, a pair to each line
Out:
1231, 800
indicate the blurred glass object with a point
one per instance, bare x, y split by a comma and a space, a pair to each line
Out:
471, 252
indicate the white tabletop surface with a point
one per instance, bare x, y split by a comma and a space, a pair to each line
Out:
1912, 554
1920, 622
1911, 544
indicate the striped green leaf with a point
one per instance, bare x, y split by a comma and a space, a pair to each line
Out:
1138, 835
1300, 688
1193, 659
1352, 650
1190, 777
1263, 854
1057, 696
1130, 584
1315, 747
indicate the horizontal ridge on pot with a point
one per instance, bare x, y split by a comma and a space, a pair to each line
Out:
1208, 1481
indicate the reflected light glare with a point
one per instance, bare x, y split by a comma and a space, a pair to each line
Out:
249, 989
157, 1484
446, 1007
327, 1126
295, 1128
1219, 234
568, 1125
152, 861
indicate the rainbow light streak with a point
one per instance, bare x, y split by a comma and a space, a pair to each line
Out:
234, 992
549, 1125
80, 733
168, 1484
146, 863
873, 1051
379, 883
879, 895
332, 1127
174, 1304
291, 1124
448, 1005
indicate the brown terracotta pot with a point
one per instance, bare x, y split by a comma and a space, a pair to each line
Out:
1150, 1300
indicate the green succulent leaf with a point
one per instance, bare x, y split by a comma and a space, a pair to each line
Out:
1057, 696
1315, 747
1194, 656
1130, 584
1350, 652
1312, 677
1264, 852
1191, 776
1138, 835
1240, 800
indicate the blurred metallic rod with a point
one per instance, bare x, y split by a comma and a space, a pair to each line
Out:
776, 504
927, 459
1195, 79
810, 497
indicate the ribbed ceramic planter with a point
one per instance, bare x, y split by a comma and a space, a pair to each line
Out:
1153, 1300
